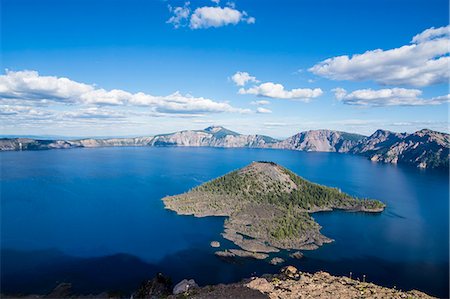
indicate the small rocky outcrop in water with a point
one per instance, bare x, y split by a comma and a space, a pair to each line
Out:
231, 253
215, 244
268, 208
296, 255
276, 261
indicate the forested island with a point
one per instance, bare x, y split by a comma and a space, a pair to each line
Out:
268, 208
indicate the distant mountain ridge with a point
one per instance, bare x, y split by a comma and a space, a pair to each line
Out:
424, 149
321, 141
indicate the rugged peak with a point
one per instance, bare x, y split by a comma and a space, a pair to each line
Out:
219, 131
380, 133
442, 139
425, 132
214, 129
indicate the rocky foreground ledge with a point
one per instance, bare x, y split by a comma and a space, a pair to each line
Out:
289, 284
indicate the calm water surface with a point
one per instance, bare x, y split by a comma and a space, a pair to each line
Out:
94, 217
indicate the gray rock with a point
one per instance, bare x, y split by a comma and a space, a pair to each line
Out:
184, 286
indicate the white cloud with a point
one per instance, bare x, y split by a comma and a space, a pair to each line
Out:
263, 110
231, 4
250, 20
423, 62
260, 103
94, 113
242, 78
208, 16
29, 86
180, 15
387, 97
31, 112
277, 91
339, 93
431, 33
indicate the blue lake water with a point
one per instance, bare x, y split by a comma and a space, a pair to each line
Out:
94, 217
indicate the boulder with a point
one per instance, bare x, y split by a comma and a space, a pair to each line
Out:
291, 272
184, 286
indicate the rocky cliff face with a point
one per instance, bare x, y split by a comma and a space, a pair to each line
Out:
212, 136
320, 141
18, 144
424, 148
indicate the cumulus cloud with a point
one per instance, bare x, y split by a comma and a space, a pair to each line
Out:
387, 97
272, 90
431, 33
277, 91
208, 16
30, 86
242, 78
263, 110
423, 62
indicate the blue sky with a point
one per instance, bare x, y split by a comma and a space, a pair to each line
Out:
130, 69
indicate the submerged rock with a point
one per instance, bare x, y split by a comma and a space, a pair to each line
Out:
184, 286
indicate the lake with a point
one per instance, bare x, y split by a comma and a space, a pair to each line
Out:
94, 217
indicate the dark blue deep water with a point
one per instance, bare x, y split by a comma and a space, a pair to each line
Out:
94, 217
